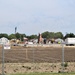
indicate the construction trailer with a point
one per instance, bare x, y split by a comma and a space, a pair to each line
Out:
70, 41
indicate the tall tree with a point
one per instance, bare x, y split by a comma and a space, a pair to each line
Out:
17, 35
46, 35
32, 37
12, 36
22, 36
58, 35
69, 35
52, 35
3, 35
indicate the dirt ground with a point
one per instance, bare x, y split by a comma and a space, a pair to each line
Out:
37, 59
50, 54
13, 68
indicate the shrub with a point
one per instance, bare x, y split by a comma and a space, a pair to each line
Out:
65, 64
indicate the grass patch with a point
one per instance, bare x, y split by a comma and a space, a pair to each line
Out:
46, 74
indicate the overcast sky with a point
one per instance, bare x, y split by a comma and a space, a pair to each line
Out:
37, 16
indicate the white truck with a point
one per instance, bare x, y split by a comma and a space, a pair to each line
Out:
70, 41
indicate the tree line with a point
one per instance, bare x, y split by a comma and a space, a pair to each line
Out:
46, 34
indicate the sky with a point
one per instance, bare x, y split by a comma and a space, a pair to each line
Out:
37, 16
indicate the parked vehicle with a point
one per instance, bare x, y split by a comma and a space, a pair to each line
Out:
70, 41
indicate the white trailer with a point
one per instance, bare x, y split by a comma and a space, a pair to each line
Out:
70, 41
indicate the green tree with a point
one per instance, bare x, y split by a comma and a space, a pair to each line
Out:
17, 35
3, 35
52, 34
69, 35
32, 37
22, 36
58, 35
12, 36
46, 34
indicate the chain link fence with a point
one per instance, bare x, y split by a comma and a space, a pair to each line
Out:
38, 59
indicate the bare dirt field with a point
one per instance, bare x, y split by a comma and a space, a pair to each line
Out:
37, 59
38, 54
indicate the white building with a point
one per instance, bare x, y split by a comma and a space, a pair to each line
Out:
4, 40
